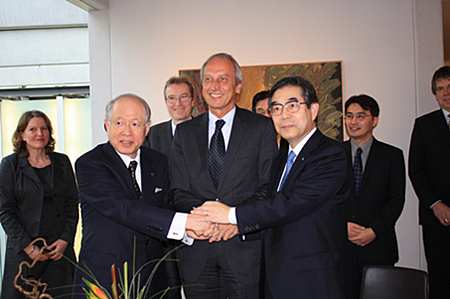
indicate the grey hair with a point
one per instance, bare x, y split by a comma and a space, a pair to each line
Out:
237, 68
108, 108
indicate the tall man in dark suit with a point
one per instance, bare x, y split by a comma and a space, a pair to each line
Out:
229, 164
429, 171
303, 219
178, 93
123, 192
378, 195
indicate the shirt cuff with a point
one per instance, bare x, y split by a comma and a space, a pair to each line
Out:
177, 230
439, 200
232, 215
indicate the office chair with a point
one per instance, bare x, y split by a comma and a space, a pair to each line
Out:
387, 282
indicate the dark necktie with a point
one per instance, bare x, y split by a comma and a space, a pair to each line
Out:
216, 153
132, 169
289, 163
357, 170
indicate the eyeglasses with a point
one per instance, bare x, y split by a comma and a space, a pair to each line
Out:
292, 105
122, 125
183, 98
358, 116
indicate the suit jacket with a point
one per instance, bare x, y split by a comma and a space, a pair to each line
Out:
160, 137
21, 205
115, 220
380, 200
251, 149
304, 224
429, 164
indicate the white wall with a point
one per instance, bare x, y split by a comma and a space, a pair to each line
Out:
389, 50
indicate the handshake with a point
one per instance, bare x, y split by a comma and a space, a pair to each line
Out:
210, 222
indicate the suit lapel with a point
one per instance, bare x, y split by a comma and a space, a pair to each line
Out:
303, 156
201, 145
147, 175
120, 168
29, 172
373, 159
56, 169
442, 127
234, 145
277, 170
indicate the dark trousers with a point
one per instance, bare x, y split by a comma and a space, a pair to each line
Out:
354, 266
436, 241
217, 281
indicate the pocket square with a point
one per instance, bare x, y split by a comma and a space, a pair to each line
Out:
158, 190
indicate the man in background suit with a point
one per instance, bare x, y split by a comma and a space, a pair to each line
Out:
378, 194
229, 164
429, 171
178, 93
124, 205
303, 219
260, 103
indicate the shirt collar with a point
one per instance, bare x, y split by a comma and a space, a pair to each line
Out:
298, 148
127, 159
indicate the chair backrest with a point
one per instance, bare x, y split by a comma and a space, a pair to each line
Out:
389, 282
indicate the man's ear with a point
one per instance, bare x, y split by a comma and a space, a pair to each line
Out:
147, 127
314, 110
375, 121
106, 125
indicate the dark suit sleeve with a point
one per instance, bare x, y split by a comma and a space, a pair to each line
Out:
70, 201
393, 207
418, 167
318, 181
16, 232
102, 188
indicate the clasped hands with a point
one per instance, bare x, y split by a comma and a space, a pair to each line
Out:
210, 222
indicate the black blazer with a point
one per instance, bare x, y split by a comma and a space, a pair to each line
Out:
380, 200
114, 218
304, 224
429, 164
245, 175
160, 137
22, 198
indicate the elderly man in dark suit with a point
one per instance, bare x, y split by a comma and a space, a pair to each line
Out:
378, 195
125, 208
429, 171
223, 155
178, 94
303, 219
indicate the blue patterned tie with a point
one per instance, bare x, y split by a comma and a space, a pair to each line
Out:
216, 153
289, 163
132, 169
357, 170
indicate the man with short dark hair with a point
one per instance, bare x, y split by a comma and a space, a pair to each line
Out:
429, 171
303, 219
178, 95
378, 195
223, 155
260, 103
